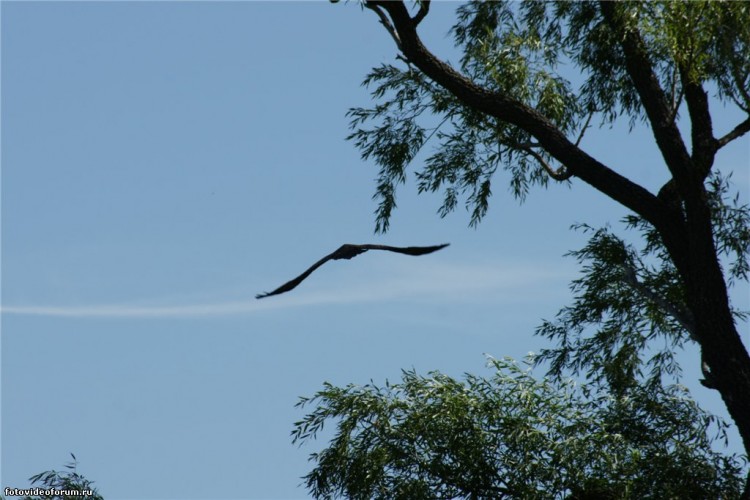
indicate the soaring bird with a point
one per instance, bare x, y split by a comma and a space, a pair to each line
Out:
348, 251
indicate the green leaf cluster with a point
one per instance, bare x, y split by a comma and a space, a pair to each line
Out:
74, 486
512, 436
610, 331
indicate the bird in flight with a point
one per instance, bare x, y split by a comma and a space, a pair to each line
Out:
348, 251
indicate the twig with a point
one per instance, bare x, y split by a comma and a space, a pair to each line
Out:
561, 174
683, 317
386, 22
585, 127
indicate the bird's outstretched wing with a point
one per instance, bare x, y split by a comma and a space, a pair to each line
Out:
290, 285
405, 250
348, 251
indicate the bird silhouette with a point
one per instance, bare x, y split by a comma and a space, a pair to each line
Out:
347, 251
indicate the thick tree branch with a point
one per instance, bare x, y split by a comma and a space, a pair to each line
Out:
424, 8
738, 131
704, 144
691, 248
669, 195
502, 107
652, 96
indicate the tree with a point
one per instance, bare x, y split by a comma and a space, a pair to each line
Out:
511, 436
54, 485
509, 107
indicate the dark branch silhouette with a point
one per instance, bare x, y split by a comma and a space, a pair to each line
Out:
348, 251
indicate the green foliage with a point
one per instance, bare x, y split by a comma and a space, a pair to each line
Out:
530, 51
709, 41
626, 320
512, 436
630, 434
731, 226
69, 484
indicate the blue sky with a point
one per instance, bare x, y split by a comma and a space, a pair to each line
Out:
164, 162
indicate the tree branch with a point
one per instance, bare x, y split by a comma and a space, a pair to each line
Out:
669, 195
740, 84
560, 174
704, 143
683, 317
676, 105
736, 132
385, 22
652, 96
504, 108
424, 8
701, 128
676, 97
583, 130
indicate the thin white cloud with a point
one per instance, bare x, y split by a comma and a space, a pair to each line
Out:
429, 281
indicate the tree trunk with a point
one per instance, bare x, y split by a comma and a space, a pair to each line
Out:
722, 347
